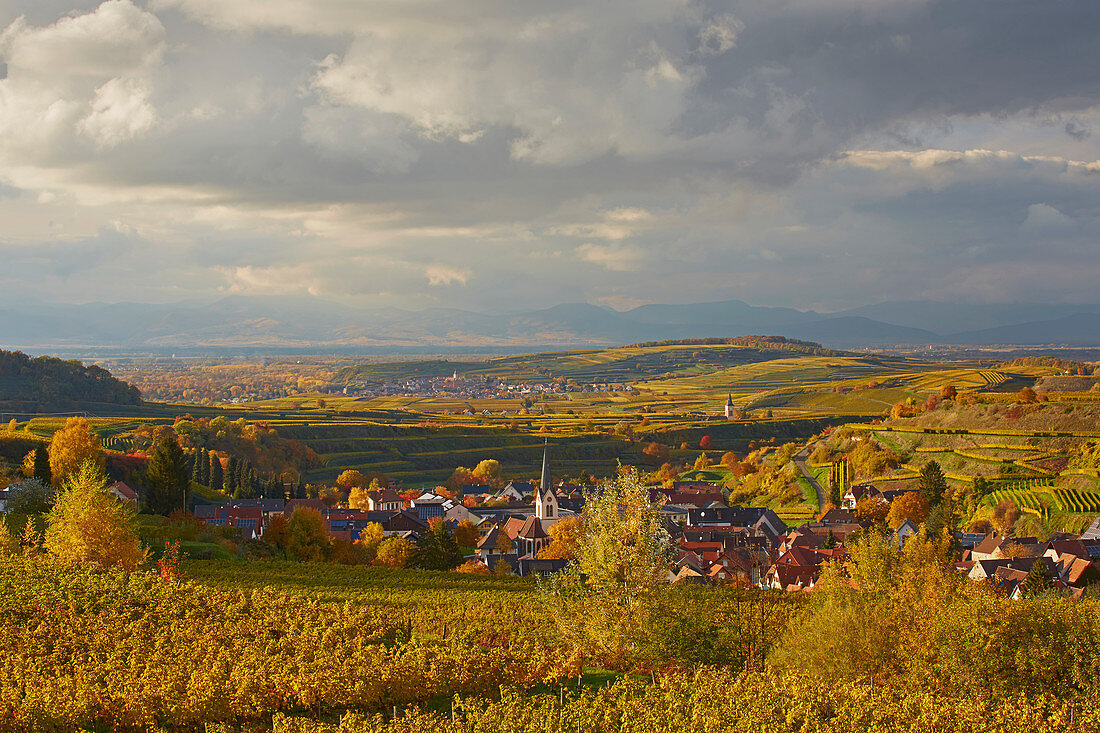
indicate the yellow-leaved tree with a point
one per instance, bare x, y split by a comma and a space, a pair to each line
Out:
610, 600
89, 526
370, 537
71, 446
565, 537
357, 499
9, 543
308, 541
397, 552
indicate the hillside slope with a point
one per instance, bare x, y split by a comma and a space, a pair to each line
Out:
46, 383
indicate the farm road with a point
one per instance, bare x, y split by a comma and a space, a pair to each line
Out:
800, 461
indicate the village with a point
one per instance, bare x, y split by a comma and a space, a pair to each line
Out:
712, 542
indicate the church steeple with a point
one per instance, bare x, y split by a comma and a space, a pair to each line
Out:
544, 483
546, 504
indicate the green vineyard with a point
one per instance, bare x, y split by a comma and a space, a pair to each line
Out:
1077, 501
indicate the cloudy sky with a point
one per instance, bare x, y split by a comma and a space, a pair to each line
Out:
499, 155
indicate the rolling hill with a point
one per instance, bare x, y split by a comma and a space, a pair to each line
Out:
307, 323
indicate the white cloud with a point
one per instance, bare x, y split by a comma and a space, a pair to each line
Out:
120, 111
1046, 218
614, 257
267, 280
720, 34
81, 80
445, 275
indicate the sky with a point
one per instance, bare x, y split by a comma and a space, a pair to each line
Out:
500, 155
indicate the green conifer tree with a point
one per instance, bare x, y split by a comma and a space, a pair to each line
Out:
933, 483
217, 479
42, 466
167, 477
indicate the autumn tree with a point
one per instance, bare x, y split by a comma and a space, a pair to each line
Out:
370, 537
351, 479
466, 534
705, 443
728, 459
1027, 396
357, 499
309, 541
167, 477
910, 505
702, 462
565, 536
277, 532
870, 459
1005, 515
473, 567
656, 452
488, 471
396, 552
948, 392
504, 542
610, 598
71, 446
9, 543
872, 509
89, 526
31, 539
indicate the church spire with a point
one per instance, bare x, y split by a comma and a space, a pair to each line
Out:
544, 483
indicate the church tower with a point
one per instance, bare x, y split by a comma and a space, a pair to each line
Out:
729, 406
546, 503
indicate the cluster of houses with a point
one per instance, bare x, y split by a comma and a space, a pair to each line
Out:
753, 547
714, 542
457, 387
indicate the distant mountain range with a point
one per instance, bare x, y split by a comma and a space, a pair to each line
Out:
266, 322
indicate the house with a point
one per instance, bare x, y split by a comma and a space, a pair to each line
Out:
428, 509
538, 566
293, 504
987, 569
904, 531
688, 575
511, 558
487, 545
838, 516
854, 493
515, 491
4, 495
384, 500
405, 522
122, 492
759, 518
996, 547
791, 577
249, 520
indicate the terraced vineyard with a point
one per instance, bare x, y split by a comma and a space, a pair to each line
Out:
1077, 501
